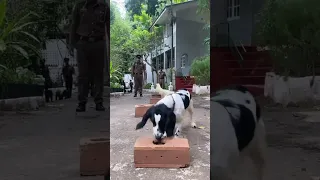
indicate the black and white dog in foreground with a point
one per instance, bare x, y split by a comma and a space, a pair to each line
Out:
237, 131
167, 115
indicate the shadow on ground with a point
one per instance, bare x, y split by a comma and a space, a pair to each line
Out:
44, 144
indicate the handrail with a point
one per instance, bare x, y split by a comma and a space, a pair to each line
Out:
238, 52
216, 26
244, 49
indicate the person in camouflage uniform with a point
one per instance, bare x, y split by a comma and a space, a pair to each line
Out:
162, 76
138, 72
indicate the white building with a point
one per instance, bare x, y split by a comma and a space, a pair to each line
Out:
188, 39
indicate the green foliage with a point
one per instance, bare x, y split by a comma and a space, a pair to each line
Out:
11, 30
153, 7
147, 86
200, 68
115, 85
131, 37
291, 30
18, 76
115, 74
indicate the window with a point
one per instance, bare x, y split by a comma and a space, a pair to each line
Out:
168, 30
154, 62
233, 11
184, 60
161, 61
168, 59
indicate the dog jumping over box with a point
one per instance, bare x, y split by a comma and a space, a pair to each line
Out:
167, 115
237, 130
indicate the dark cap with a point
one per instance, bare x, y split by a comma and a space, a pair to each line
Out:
138, 56
66, 59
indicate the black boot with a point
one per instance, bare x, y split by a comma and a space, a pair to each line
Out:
135, 95
141, 95
100, 107
81, 107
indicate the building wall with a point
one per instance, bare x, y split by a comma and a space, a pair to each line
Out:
242, 30
190, 41
54, 54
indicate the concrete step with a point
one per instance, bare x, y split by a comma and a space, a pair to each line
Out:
259, 71
246, 56
256, 90
254, 80
247, 64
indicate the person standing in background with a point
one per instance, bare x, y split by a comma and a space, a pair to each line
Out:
138, 72
90, 20
162, 76
131, 86
68, 72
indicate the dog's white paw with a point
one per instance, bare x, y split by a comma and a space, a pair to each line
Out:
194, 125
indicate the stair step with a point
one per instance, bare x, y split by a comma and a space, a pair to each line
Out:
256, 90
246, 56
259, 71
254, 80
228, 49
247, 63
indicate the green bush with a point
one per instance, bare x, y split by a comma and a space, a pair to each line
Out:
200, 69
291, 30
147, 86
18, 76
115, 85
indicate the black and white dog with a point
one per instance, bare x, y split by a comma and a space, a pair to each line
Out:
167, 115
237, 130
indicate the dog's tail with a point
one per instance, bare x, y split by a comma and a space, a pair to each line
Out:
161, 91
145, 118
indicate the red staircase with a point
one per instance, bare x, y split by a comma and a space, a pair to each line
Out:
184, 82
250, 73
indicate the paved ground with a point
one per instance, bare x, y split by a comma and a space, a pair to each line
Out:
294, 144
44, 144
123, 136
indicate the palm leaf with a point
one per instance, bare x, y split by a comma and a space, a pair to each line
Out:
2, 45
3, 6
22, 51
27, 45
16, 25
30, 35
3, 67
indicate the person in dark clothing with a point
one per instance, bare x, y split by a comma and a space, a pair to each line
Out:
68, 72
131, 86
138, 72
88, 34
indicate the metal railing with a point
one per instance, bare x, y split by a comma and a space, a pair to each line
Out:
222, 39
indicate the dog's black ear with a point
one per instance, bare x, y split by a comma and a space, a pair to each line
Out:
170, 124
145, 118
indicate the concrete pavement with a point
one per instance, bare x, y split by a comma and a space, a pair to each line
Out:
123, 136
44, 144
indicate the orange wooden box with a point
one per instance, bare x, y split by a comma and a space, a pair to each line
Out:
94, 156
155, 96
141, 109
175, 153
154, 100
